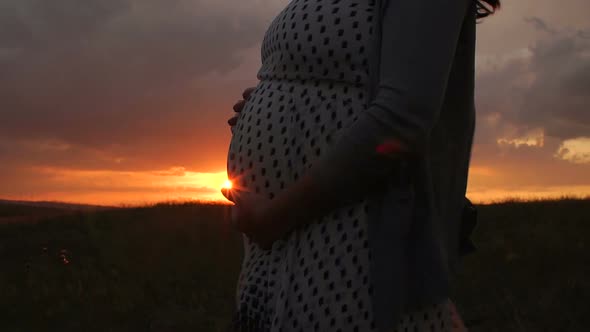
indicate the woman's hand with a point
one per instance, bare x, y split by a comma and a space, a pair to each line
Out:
253, 215
456, 320
238, 107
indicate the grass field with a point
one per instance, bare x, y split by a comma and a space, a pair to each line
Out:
173, 267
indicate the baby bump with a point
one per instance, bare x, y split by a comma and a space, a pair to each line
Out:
284, 127
258, 157
321, 114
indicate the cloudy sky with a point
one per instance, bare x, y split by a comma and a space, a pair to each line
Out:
126, 101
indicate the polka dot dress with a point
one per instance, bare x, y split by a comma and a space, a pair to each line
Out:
312, 86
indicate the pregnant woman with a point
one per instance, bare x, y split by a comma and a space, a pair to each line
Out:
349, 164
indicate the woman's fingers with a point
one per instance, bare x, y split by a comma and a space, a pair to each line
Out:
233, 120
235, 195
227, 193
246, 94
239, 105
457, 322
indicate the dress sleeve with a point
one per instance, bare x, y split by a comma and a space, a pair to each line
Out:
418, 43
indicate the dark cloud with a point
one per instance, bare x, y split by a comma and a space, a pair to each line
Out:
539, 24
127, 73
528, 104
547, 87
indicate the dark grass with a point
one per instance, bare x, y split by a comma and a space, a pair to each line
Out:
138, 269
173, 267
19, 210
532, 268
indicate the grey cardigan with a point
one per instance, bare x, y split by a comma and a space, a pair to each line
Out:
422, 95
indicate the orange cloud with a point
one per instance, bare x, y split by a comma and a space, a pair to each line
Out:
576, 150
487, 195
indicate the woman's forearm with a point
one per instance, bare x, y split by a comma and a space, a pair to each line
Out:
338, 179
298, 204
302, 202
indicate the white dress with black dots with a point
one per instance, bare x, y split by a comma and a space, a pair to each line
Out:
312, 85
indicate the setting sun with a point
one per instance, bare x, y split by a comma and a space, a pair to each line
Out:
227, 184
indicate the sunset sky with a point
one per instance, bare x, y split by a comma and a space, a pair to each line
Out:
126, 101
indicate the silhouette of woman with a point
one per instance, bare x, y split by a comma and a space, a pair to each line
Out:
318, 136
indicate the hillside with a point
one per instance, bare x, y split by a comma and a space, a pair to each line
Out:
173, 267
29, 211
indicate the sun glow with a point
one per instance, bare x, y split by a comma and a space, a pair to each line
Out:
227, 184
112, 187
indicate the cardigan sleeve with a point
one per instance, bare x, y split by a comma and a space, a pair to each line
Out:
418, 43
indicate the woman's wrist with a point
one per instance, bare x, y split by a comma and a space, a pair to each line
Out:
294, 206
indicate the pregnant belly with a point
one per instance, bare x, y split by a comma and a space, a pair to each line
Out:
258, 156
283, 128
